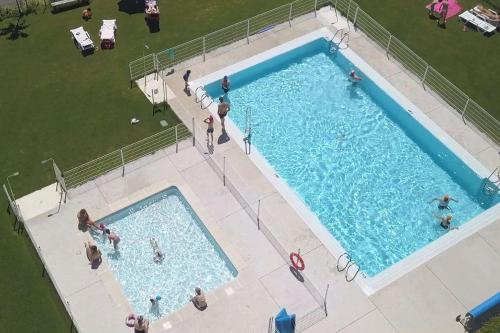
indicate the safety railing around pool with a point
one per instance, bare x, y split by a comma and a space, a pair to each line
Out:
470, 111
243, 32
120, 157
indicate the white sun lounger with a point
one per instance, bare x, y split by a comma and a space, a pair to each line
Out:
107, 33
82, 39
469, 17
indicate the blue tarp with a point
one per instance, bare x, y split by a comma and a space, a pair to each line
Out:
284, 323
487, 305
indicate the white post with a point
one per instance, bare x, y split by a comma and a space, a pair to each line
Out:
324, 300
194, 135
258, 215
347, 16
315, 8
224, 171
355, 16
123, 163
465, 108
425, 76
203, 48
144, 68
290, 16
248, 31
388, 45
335, 7
176, 143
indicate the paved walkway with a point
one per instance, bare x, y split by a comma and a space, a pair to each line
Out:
427, 299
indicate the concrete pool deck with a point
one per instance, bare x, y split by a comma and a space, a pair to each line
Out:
426, 299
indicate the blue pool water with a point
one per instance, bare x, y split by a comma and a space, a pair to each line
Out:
358, 160
193, 258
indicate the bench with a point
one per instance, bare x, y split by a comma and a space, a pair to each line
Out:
59, 4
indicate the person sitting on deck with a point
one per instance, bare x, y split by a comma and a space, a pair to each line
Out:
84, 221
199, 299
93, 253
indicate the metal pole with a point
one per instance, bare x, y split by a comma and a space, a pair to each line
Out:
258, 215
194, 133
224, 171
123, 163
465, 108
388, 45
176, 142
153, 98
248, 31
335, 8
164, 85
355, 16
425, 76
324, 299
203, 48
144, 68
347, 16
290, 16
315, 8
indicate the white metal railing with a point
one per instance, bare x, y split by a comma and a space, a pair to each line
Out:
119, 158
241, 31
470, 111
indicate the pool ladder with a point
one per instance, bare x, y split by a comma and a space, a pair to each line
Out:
347, 267
491, 185
335, 46
247, 138
204, 96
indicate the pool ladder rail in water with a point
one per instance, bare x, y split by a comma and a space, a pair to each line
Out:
347, 267
491, 185
335, 46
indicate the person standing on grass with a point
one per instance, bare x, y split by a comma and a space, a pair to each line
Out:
210, 129
222, 110
444, 12
186, 79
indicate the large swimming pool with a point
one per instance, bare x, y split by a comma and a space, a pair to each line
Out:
359, 161
192, 256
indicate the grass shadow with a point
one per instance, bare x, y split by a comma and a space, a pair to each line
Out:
15, 31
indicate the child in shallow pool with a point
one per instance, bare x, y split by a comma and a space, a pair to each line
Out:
112, 237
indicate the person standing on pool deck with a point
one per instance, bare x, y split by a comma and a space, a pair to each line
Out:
210, 128
225, 84
444, 202
222, 110
186, 79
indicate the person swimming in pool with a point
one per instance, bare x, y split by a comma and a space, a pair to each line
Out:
444, 202
158, 253
445, 221
225, 84
354, 77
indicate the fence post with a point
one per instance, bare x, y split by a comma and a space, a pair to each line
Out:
425, 76
324, 299
290, 15
315, 8
465, 109
335, 9
248, 31
224, 171
194, 135
203, 48
347, 16
176, 141
355, 17
388, 45
123, 163
258, 215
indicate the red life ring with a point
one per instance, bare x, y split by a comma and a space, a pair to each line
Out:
297, 261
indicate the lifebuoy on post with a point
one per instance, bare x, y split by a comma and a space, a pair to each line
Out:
297, 261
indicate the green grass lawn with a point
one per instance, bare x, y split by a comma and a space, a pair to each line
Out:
56, 103
468, 59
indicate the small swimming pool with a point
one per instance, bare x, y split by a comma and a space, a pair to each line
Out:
193, 257
358, 160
